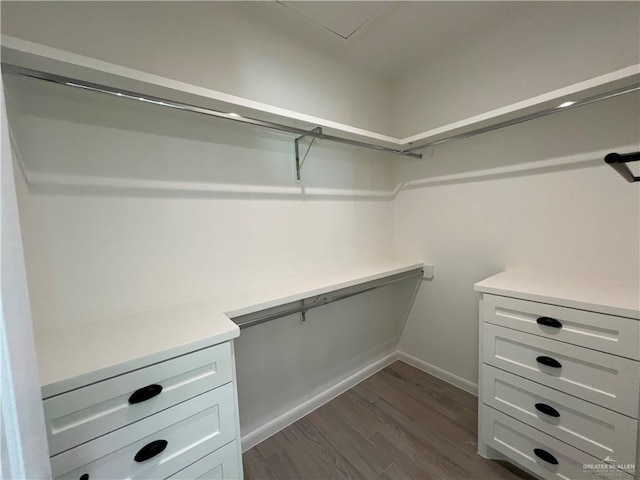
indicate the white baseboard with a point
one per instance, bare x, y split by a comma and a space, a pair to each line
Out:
448, 377
260, 434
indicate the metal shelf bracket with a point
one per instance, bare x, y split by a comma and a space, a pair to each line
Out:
299, 163
619, 162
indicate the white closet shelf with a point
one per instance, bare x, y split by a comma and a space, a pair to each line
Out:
591, 294
618, 80
76, 355
38, 57
42, 58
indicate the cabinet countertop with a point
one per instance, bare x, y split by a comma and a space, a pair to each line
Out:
592, 294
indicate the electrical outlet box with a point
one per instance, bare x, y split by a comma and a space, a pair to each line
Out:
428, 271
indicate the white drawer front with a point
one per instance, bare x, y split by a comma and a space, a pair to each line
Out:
591, 428
520, 442
606, 333
222, 464
597, 377
80, 415
191, 429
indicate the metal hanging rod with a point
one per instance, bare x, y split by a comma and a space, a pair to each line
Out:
301, 306
531, 116
94, 87
317, 131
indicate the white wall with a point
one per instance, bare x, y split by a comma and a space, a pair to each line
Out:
548, 46
218, 45
23, 442
282, 363
96, 251
127, 206
578, 219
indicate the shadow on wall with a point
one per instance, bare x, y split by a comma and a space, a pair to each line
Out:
84, 143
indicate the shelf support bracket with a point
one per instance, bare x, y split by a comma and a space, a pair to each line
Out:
315, 133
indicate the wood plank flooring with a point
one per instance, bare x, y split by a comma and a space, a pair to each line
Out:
400, 423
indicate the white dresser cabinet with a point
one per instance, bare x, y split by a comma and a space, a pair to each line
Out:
151, 423
559, 375
150, 396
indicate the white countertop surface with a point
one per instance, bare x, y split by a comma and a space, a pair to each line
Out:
76, 355
592, 294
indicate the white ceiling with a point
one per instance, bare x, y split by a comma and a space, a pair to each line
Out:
385, 37
340, 18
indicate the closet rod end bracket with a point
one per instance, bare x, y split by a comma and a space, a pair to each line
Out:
315, 133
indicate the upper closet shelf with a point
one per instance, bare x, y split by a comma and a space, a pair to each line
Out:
61, 63
41, 58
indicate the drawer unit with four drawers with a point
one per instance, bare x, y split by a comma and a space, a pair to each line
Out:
559, 375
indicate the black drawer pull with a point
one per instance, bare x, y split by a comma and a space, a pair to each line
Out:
84, 476
546, 456
150, 450
549, 362
145, 393
547, 409
549, 322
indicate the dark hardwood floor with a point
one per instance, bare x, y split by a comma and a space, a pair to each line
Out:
400, 423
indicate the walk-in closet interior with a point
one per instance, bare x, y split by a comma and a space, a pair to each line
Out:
320, 240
